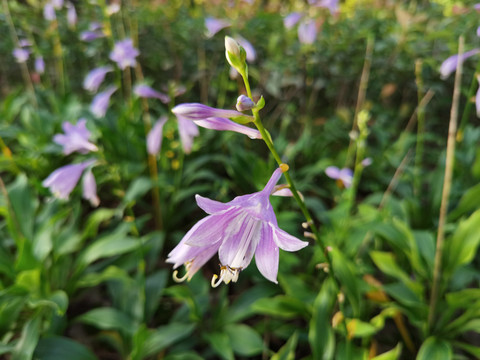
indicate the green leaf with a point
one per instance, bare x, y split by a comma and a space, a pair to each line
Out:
137, 189
360, 329
435, 349
320, 335
28, 339
165, 336
474, 350
24, 205
42, 241
244, 340
95, 219
154, 285
469, 202
393, 354
96, 278
107, 318
57, 347
281, 306
287, 351
345, 270
220, 343
242, 307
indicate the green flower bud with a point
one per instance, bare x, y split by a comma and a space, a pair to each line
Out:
235, 55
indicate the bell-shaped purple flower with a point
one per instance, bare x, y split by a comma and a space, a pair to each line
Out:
154, 137
100, 102
215, 25
450, 64
89, 188
146, 91
292, 19
21, 55
238, 230
188, 130
124, 54
39, 65
307, 32
62, 181
95, 77
345, 176
75, 138
215, 119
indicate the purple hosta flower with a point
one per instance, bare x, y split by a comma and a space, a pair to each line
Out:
89, 36
331, 5
49, 12
211, 118
62, 181
24, 43
367, 162
478, 31
100, 102
89, 188
75, 138
244, 103
450, 64
21, 55
154, 137
345, 176
71, 15
477, 97
57, 4
477, 7
215, 25
146, 91
239, 229
249, 49
124, 54
307, 32
188, 130
113, 8
39, 65
95, 77
292, 19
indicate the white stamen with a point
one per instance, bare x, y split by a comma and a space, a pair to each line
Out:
227, 274
177, 279
215, 284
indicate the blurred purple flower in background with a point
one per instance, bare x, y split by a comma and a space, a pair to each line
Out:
188, 130
146, 91
345, 176
24, 43
39, 65
215, 25
450, 64
238, 230
62, 181
154, 137
331, 5
49, 12
71, 15
100, 102
95, 77
477, 98
75, 138
57, 4
249, 49
113, 8
367, 162
21, 55
124, 54
292, 19
307, 32
89, 188
89, 36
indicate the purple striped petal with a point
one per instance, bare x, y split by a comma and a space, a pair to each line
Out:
154, 137
267, 255
451, 63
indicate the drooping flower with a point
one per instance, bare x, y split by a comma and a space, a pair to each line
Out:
188, 130
100, 102
450, 64
238, 230
307, 32
345, 176
75, 138
21, 55
124, 54
39, 65
95, 77
146, 91
215, 119
292, 19
154, 137
62, 181
89, 188
49, 12
215, 25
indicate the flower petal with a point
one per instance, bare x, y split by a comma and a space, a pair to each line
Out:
154, 137
210, 230
332, 172
219, 123
211, 206
285, 241
267, 255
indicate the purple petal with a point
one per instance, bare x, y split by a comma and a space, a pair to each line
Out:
124, 54
215, 25
267, 255
333, 172
285, 241
307, 32
49, 12
367, 162
211, 206
71, 15
188, 130
249, 49
346, 176
100, 102
244, 103
75, 138
63, 180
39, 65
24, 43
331, 5
451, 63
90, 188
91, 35
57, 4
217, 123
268, 189
147, 92
95, 77
196, 111
282, 191
21, 55
154, 137
477, 98
292, 19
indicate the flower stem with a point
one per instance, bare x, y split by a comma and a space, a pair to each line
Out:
447, 183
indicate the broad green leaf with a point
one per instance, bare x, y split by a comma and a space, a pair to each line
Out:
107, 318
137, 189
435, 349
28, 339
321, 335
244, 340
29, 280
474, 350
58, 301
242, 307
345, 271
287, 351
469, 202
154, 285
165, 336
95, 219
220, 343
24, 205
281, 306
95, 278
463, 298
42, 241
184, 356
358, 328
393, 354
6, 349
57, 347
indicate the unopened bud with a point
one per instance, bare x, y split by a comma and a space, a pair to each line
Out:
235, 55
244, 103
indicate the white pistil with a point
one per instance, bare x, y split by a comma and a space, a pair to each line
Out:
227, 274
175, 277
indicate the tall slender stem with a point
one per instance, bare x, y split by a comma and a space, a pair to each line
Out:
447, 183
420, 126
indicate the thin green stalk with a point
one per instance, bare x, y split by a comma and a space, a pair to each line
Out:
420, 126
447, 183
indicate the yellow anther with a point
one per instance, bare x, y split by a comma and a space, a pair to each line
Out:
284, 167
